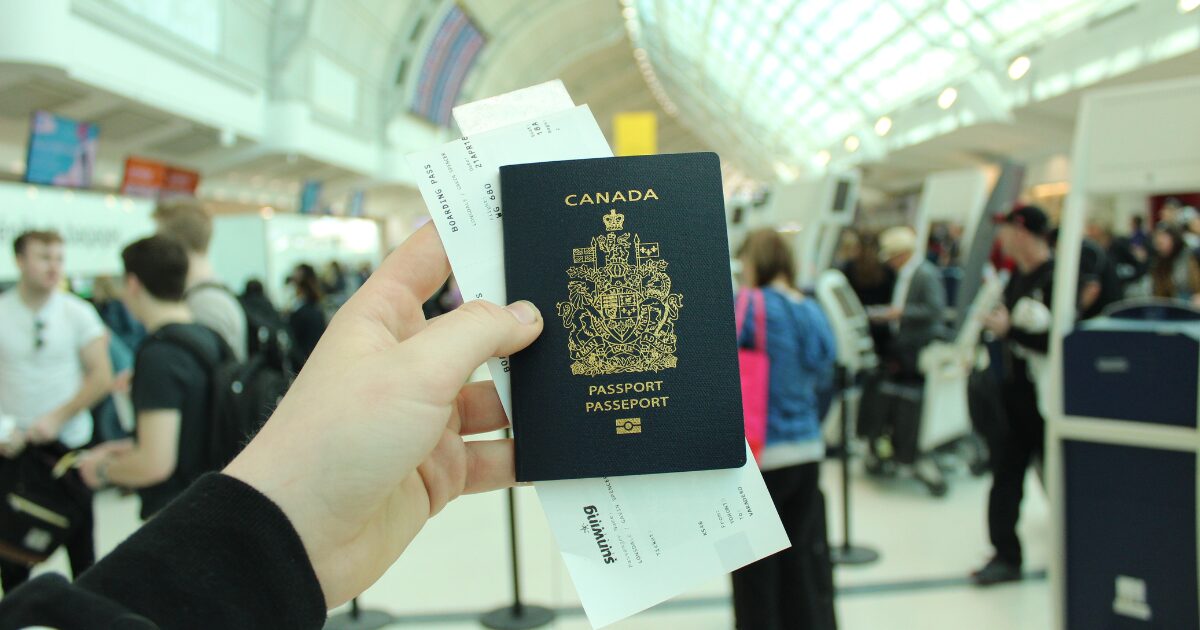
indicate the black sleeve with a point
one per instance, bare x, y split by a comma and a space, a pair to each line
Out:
221, 556
156, 381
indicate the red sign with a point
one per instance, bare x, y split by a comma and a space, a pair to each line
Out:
180, 182
148, 178
143, 178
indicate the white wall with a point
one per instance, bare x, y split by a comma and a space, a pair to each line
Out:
95, 228
268, 247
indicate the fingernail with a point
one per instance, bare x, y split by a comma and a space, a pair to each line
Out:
524, 311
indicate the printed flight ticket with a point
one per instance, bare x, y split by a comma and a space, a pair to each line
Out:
628, 542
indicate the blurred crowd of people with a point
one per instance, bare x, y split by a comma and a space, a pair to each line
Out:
123, 385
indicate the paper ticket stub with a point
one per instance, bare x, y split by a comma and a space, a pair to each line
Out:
628, 542
460, 182
632, 542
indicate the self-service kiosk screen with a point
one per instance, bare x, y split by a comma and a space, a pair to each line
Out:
840, 195
846, 300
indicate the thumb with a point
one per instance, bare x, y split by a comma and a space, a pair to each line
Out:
456, 343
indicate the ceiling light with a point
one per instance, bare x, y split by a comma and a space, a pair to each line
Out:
1187, 6
851, 143
823, 157
883, 126
1020, 66
946, 99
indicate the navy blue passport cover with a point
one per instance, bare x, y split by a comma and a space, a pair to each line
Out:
636, 370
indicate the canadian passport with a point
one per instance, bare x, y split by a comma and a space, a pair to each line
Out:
636, 369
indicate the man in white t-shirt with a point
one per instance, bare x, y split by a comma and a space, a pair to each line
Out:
54, 367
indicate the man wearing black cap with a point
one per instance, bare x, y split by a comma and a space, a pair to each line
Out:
1023, 326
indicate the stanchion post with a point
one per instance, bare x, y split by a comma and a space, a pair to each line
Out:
848, 553
359, 619
516, 616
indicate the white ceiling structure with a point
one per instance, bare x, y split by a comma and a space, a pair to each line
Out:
784, 86
261, 94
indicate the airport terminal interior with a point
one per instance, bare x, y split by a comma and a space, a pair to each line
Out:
947, 275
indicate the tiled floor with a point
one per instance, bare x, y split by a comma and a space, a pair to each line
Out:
458, 566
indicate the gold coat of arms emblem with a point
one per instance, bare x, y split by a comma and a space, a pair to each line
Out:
620, 310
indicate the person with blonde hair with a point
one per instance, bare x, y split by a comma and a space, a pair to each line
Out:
185, 219
916, 318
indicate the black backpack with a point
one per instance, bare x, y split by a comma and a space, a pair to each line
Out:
267, 333
44, 503
242, 396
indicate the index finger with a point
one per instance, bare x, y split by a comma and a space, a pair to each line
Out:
393, 295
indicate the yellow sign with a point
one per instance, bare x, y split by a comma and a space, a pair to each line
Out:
635, 133
627, 426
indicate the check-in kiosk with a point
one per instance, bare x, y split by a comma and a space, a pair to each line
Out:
855, 354
819, 209
848, 318
947, 366
959, 196
1122, 438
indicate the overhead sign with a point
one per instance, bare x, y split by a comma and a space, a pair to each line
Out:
156, 180
61, 151
635, 133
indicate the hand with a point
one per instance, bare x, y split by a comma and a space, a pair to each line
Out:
113, 448
13, 446
89, 464
45, 429
892, 314
998, 321
122, 382
367, 445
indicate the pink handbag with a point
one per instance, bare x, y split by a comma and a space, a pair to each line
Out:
755, 370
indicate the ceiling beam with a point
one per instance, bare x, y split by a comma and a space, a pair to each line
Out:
93, 105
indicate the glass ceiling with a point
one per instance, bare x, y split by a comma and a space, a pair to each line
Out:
797, 76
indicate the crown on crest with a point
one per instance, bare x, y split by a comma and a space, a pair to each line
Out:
614, 221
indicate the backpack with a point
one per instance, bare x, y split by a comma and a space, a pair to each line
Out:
241, 396
267, 333
44, 503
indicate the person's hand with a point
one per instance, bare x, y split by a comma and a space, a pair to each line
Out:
367, 445
998, 321
891, 314
89, 464
45, 429
113, 448
122, 382
13, 446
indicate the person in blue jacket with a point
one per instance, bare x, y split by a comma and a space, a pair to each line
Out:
793, 588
